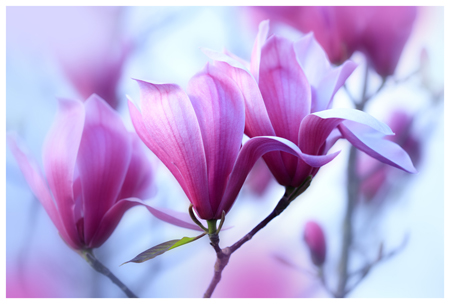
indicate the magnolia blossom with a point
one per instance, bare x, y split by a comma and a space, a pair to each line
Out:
315, 239
95, 65
198, 136
288, 89
91, 162
373, 175
380, 32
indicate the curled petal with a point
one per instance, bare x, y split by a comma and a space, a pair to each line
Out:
171, 125
373, 143
249, 154
39, 187
219, 106
103, 159
356, 116
59, 157
316, 127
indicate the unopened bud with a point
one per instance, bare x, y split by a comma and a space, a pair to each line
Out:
315, 239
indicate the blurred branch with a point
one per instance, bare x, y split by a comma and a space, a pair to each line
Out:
363, 272
88, 255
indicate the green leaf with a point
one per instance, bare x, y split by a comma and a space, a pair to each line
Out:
161, 248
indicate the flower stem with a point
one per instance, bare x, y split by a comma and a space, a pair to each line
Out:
223, 255
352, 196
89, 256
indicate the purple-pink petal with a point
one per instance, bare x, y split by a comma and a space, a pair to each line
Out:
39, 187
171, 124
373, 143
103, 159
59, 157
256, 52
284, 87
219, 107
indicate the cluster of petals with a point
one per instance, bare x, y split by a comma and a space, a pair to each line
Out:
91, 164
380, 32
288, 88
198, 136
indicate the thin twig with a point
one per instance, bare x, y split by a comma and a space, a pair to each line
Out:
223, 255
88, 255
382, 257
352, 196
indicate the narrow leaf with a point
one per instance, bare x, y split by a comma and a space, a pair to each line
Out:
161, 248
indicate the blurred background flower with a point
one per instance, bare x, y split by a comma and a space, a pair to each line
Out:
161, 44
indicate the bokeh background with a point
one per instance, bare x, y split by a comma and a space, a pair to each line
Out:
51, 50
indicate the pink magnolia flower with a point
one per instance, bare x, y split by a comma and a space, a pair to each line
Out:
379, 31
315, 239
95, 65
288, 93
374, 176
91, 162
198, 136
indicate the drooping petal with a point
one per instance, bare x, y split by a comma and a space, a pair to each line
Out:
176, 218
138, 181
59, 157
219, 106
172, 125
256, 52
249, 154
373, 143
103, 159
316, 127
39, 187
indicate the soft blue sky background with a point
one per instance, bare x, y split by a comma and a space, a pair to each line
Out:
169, 41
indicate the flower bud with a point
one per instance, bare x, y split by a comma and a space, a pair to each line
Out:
315, 239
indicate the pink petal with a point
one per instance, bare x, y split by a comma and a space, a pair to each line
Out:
141, 130
284, 87
219, 106
103, 159
171, 124
316, 127
257, 122
175, 218
285, 90
249, 154
330, 84
139, 178
372, 143
39, 187
256, 52
59, 158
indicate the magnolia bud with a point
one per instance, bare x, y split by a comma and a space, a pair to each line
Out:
315, 239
